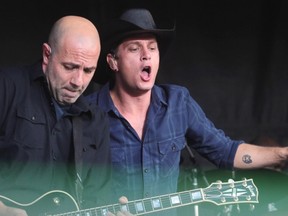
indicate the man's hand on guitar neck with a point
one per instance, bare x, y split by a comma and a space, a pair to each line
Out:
122, 200
10, 211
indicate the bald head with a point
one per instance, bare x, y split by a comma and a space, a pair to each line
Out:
73, 29
70, 57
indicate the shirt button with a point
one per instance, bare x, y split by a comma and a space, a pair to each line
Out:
146, 170
146, 194
173, 148
33, 118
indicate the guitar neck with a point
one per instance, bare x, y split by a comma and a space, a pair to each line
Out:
147, 205
218, 193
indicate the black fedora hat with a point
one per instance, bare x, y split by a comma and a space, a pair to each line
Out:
131, 22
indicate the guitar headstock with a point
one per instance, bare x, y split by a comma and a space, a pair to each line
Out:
231, 192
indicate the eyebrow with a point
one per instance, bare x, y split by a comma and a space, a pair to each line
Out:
73, 65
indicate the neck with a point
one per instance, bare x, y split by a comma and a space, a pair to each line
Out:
133, 108
133, 103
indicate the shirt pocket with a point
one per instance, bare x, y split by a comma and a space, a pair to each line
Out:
89, 149
170, 151
30, 128
118, 158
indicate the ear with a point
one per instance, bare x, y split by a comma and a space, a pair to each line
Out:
112, 62
46, 51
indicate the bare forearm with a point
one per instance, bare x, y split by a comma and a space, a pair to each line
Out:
249, 156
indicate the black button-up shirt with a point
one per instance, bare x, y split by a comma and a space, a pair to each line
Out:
36, 149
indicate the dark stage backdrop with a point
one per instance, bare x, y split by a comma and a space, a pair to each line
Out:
231, 55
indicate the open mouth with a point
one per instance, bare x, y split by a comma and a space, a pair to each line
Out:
147, 69
145, 74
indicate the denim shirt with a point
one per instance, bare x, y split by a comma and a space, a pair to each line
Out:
150, 167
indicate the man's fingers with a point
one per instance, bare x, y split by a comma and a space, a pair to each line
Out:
123, 200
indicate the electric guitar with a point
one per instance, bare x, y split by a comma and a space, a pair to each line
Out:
219, 193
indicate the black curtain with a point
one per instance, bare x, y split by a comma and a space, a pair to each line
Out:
231, 55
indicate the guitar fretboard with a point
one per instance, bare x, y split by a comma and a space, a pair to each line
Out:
144, 206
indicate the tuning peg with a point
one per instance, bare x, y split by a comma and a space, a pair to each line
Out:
219, 184
244, 182
238, 209
248, 198
231, 181
251, 207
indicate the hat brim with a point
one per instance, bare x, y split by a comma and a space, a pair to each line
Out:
118, 30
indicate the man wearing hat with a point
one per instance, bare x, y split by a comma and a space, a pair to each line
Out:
150, 124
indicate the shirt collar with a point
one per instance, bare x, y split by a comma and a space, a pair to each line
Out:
37, 72
105, 101
158, 96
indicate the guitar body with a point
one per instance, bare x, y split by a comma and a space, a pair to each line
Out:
50, 203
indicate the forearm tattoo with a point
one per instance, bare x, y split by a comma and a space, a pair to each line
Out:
247, 159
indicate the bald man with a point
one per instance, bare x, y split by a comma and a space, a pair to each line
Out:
41, 158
